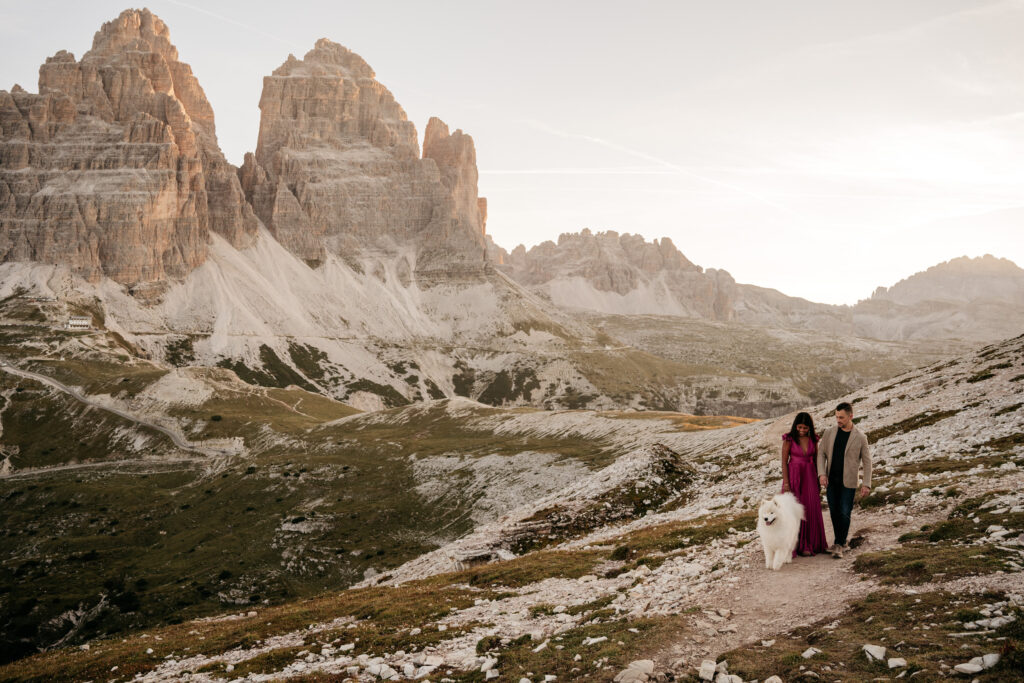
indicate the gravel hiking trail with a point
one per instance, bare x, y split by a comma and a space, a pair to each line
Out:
765, 603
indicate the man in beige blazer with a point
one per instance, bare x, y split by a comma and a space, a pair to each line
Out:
842, 451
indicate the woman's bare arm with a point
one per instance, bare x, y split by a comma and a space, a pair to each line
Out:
785, 465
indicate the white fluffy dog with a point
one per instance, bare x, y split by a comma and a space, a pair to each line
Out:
778, 523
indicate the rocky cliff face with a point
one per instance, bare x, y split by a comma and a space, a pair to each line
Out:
337, 169
615, 273
113, 168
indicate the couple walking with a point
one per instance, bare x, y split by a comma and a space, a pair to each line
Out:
832, 461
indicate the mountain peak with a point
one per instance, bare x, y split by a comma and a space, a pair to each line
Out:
960, 280
327, 58
621, 273
114, 168
136, 30
337, 169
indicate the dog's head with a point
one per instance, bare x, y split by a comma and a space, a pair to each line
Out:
768, 512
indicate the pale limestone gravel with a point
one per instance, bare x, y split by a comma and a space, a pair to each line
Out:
739, 601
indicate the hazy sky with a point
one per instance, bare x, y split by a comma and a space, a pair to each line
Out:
820, 148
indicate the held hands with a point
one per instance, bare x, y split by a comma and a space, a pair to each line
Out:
823, 480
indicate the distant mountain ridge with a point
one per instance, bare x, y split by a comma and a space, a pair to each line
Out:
624, 273
962, 281
978, 299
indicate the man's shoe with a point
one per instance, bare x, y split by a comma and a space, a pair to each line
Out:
832, 548
838, 552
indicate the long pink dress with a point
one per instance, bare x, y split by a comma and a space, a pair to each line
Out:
803, 482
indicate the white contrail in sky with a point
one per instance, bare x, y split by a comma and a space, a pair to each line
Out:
675, 168
229, 20
614, 170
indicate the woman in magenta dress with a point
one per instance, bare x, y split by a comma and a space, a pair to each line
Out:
800, 477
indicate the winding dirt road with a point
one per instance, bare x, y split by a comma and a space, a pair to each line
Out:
219, 455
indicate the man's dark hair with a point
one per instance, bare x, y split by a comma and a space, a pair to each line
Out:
845, 407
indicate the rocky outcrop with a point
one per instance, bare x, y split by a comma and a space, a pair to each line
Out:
113, 168
615, 273
337, 169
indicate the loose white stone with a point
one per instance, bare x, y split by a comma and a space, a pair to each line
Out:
492, 673
968, 668
643, 665
988, 661
630, 676
706, 671
810, 652
149, 650
874, 652
897, 662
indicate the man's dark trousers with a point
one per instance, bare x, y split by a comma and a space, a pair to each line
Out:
840, 507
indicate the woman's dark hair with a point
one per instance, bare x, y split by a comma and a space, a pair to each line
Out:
802, 419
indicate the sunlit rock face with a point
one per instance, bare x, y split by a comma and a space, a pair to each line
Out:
113, 168
615, 273
337, 169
